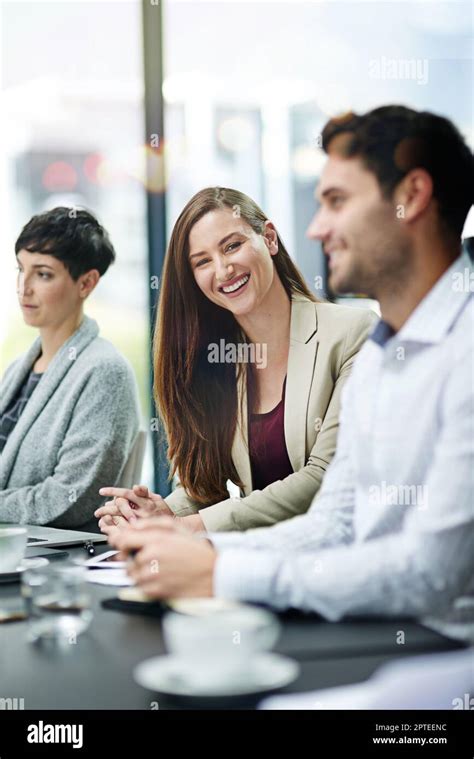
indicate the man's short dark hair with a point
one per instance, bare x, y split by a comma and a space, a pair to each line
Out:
73, 236
393, 140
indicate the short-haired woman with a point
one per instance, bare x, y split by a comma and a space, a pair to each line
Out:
68, 407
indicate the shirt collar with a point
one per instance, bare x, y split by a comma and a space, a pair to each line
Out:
435, 314
382, 333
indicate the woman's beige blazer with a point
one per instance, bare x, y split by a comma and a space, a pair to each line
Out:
324, 340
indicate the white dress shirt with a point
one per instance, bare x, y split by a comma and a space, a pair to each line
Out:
391, 532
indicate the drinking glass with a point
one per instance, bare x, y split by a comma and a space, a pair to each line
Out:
57, 601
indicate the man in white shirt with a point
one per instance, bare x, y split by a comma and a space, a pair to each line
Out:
391, 532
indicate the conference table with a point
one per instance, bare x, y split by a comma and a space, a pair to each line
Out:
97, 671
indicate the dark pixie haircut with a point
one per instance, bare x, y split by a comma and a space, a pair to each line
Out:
393, 140
73, 236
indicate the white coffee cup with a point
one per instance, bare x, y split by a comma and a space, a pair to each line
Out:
12, 547
217, 649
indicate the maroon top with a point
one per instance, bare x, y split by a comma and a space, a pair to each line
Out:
268, 455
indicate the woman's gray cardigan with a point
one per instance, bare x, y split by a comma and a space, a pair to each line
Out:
74, 435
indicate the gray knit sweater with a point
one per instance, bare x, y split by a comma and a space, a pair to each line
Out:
74, 435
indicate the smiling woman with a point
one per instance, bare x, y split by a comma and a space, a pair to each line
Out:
270, 426
68, 407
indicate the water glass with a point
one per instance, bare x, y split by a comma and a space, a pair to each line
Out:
57, 601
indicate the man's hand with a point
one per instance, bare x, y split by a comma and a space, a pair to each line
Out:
170, 562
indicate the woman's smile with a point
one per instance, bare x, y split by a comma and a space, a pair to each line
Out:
235, 286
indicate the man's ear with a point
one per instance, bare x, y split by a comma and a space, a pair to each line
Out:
87, 282
271, 238
413, 195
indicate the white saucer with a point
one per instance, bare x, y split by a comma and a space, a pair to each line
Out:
169, 674
15, 574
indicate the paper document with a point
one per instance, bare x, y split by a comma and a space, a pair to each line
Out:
109, 577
